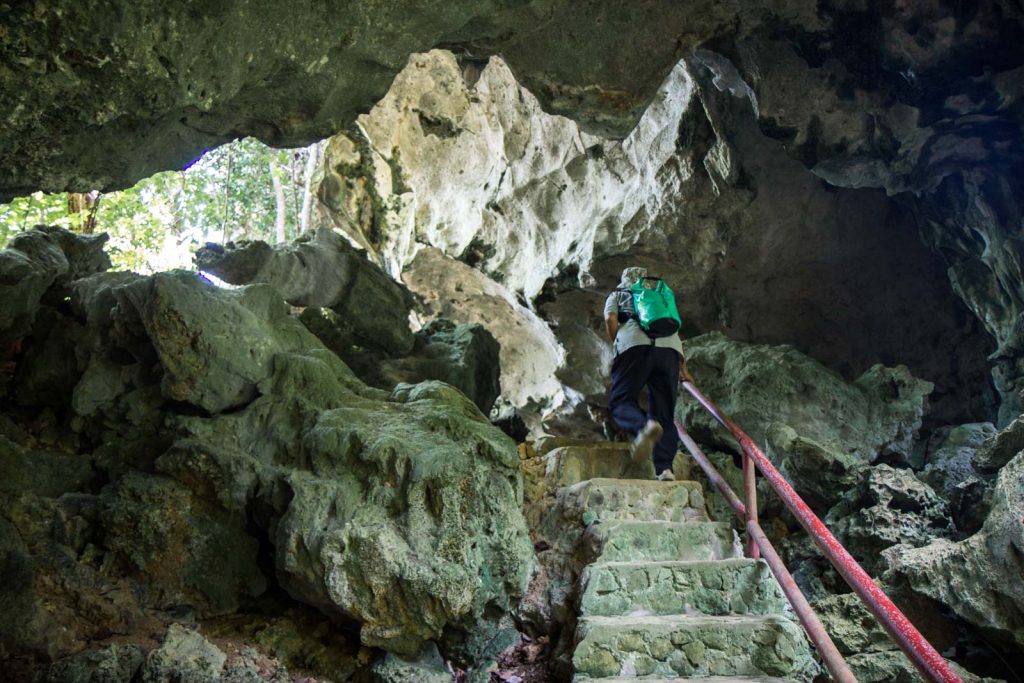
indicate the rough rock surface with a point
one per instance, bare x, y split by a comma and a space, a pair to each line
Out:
979, 578
173, 85
530, 354
322, 270
949, 467
819, 428
1000, 449
696, 193
361, 314
921, 103
112, 664
889, 507
184, 657
31, 263
212, 445
464, 356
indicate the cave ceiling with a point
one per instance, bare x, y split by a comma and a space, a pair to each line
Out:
918, 101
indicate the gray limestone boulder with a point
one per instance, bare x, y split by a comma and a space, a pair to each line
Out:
112, 664
889, 507
322, 270
184, 657
401, 512
28, 266
980, 578
1000, 448
213, 345
820, 429
183, 552
427, 667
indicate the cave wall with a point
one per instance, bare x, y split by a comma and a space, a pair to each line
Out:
753, 244
920, 100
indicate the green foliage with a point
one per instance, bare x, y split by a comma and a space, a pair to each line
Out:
227, 194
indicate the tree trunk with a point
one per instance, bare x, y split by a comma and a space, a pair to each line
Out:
83, 206
227, 201
92, 201
279, 200
307, 187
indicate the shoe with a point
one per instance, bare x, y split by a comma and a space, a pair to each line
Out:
642, 447
666, 475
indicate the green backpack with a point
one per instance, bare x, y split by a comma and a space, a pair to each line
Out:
655, 307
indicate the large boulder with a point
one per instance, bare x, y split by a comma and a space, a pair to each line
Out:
112, 664
400, 512
31, 263
185, 656
213, 345
820, 429
888, 507
980, 578
322, 270
212, 444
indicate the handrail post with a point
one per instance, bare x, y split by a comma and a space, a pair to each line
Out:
750, 500
819, 637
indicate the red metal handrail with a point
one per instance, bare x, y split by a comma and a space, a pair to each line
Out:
927, 660
834, 661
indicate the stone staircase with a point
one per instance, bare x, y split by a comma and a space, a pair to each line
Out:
668, 595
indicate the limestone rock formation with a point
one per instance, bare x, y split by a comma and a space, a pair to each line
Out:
979, 578
208, 432
173, 84
696, 193
1001, 448
32, 262
362, 315
889, 507
530, 354
112, 664
870, 653
820, 429
949, 467
184, 657
322, 270
464, 356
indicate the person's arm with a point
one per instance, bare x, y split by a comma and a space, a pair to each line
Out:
611, 325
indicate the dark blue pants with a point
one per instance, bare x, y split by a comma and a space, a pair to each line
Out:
658, 370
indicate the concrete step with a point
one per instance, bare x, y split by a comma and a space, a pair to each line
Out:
702, 679
570, 465
737, 586
636, 541
691, 646
634, 499
546, 444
